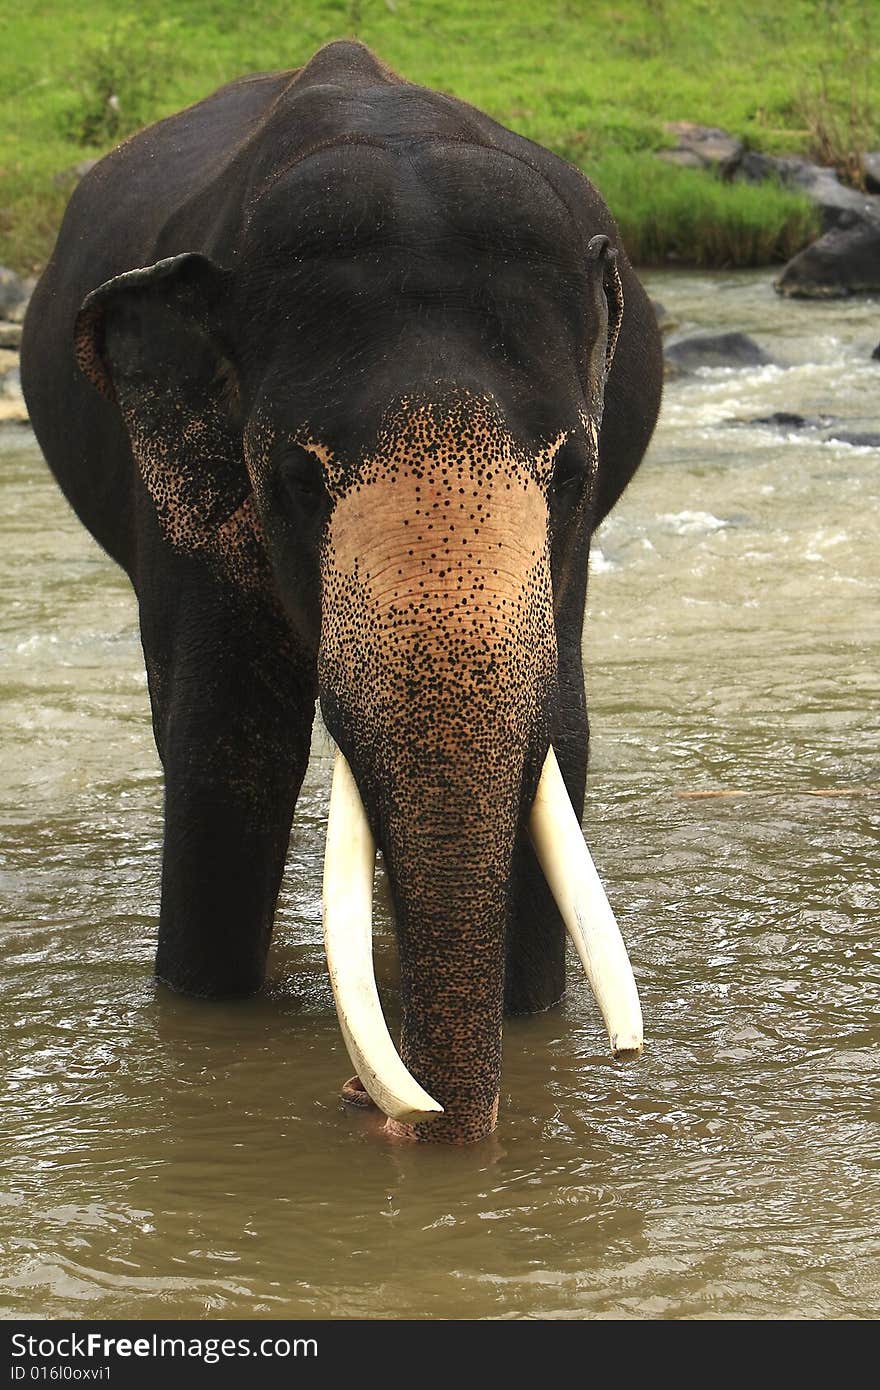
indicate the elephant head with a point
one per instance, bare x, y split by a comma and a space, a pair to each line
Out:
384, 409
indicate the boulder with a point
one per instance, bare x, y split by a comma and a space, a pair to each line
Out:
846, 260
785, 419
782, 420
838, 205
758, 168
702, 147
871, 167
694, 350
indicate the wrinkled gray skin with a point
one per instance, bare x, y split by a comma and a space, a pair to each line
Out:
322, 363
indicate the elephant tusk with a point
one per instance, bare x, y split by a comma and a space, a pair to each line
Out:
348, 942
571, 875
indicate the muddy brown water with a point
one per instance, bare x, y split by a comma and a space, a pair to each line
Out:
162, 1157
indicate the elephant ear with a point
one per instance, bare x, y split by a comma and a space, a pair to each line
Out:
152, 341
607, 294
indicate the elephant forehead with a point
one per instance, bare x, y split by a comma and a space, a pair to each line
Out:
448, 488
361, 192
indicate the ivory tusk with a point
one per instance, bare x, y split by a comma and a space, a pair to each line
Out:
571, 875
349, 860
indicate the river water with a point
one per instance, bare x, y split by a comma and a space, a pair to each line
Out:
163, 1157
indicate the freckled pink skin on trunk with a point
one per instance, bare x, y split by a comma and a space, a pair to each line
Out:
420, 1134
438, 641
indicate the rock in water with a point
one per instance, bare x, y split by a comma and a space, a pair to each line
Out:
715, 350
844, 261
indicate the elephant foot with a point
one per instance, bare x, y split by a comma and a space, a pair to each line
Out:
399, 1133
354, 1093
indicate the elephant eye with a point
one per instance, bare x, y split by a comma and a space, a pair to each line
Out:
302, 476
571, 469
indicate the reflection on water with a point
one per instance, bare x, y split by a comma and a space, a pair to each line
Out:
167, 1158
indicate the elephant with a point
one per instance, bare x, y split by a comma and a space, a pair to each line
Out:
344, 374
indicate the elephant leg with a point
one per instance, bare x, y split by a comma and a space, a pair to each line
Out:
534, 978
232, 712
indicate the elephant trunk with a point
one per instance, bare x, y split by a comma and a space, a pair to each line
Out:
449, 861
445, 788
437, 665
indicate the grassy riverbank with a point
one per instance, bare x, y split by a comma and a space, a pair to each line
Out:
594, 81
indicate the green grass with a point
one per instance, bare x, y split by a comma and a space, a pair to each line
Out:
666, 214
595, 81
